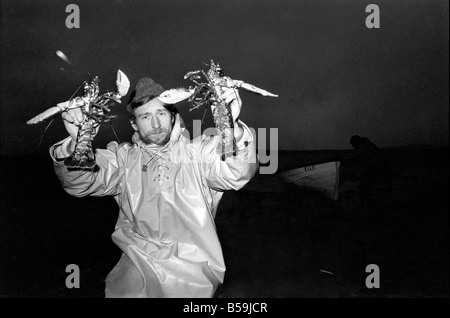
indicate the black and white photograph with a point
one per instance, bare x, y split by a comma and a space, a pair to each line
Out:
217, 151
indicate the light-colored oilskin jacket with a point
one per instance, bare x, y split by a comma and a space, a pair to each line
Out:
167, 199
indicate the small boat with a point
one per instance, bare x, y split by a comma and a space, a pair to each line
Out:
322, 177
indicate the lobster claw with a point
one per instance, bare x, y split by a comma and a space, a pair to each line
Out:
123, 83
175, 95
252, 88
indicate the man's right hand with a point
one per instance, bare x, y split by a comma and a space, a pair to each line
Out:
73, 117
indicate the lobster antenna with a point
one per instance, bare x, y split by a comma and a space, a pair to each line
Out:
42, 135
201, 123
204, 113
114, 131
77, 90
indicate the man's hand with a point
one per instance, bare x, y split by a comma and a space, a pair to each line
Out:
232, 98
73, 117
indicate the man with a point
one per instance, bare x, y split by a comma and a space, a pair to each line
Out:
168, 189
375, 179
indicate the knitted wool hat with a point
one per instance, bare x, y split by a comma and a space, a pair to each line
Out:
145, 87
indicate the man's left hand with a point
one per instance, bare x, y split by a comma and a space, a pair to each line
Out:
232, 98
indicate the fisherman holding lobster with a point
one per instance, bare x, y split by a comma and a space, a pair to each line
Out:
168, 189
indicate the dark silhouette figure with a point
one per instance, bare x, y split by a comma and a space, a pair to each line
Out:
372, 170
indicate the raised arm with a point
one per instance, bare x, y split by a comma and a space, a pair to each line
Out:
235, 171
104, 179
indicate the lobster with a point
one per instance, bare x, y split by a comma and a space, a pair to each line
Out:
208, 94
94, 108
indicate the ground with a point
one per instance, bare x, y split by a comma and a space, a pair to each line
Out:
278, 241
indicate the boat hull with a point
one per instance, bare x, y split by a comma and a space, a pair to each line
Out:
323, 178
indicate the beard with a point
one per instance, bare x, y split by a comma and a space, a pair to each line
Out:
160, 137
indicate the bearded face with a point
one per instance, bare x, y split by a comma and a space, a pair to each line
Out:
153, 122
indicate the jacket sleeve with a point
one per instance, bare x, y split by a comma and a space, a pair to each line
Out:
235, 171
103, 180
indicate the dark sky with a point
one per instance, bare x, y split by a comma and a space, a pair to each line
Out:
335, 77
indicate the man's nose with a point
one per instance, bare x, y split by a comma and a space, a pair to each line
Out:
155, 122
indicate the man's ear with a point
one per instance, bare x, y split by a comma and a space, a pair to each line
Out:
135, 127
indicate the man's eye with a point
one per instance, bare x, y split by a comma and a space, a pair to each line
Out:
162, 114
